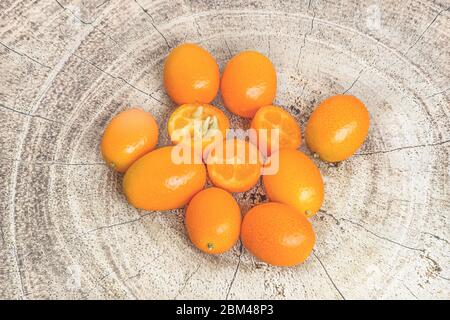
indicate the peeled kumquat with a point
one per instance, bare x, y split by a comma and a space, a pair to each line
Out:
197, 122
234, 165
269, 118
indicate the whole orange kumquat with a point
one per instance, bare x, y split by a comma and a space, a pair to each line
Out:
249, 82
191, 75
297, 183
337, 128
130, 134
213, 220
277, 234
157, 182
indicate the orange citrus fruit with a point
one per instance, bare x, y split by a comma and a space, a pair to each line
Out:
197, 122
298, 182
277, 234
337, 128
213, 220
271, 117
234, 165
249, 81
191, 75
130, 134
157, 182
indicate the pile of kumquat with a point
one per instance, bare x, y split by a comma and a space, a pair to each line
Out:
277, 232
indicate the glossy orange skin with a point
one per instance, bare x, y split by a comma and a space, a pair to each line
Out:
297, 183
130, 134
155, 182
191, 75
213, 220
273, 117
234, 175
183, 115
249, 81
337, 128
277, 234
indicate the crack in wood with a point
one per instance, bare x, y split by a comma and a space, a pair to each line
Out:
120, 79
235, 271
19, 272
436, 237
75, 16
336, 220
197, 26
29, 115
372, 233
308, 33
25, 56
230, 55
426, 29
110, 226
435, 144
354, 82
2, 236
102, 4
436, 268
409, 290
187, 281
152, 22
328, 275
90, 23
443, 278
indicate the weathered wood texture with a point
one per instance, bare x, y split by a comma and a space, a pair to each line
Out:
67, 66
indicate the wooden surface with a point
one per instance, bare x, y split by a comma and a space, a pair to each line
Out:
68, 66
